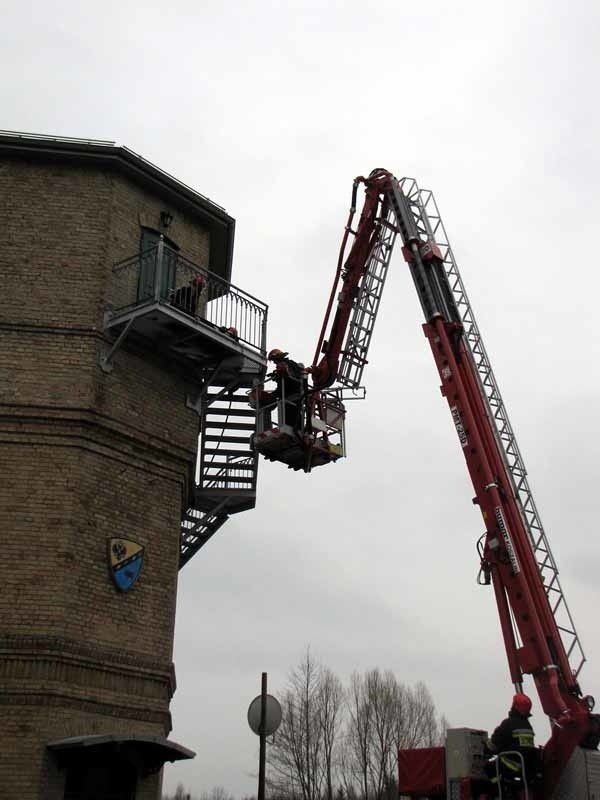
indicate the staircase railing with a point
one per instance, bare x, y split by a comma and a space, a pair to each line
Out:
162, 275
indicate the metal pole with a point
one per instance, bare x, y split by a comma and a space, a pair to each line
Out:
263, 738
263, 335
158, 269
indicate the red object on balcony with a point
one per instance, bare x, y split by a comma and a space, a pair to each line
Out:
422, 772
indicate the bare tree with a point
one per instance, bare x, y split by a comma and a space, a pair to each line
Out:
418, 725
330, 700
217, 793
302, 754
357, 749
343, 745
384, 716
296, 745
371, 753
383, 693
180, 794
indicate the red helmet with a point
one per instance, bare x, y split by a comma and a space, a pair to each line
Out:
522, 704
276, 355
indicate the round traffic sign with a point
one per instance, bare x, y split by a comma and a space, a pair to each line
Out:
272, 715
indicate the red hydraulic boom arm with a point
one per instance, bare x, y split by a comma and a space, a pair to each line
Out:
350, 274
513, 549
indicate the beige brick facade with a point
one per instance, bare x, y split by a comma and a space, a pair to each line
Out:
86, 455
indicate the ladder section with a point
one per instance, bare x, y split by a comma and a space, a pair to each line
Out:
366, 305
431, 228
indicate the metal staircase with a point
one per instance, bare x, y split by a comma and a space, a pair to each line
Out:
215, 334
366, 306
227, 467
431, 228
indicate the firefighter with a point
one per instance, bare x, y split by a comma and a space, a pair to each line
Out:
187, 298
514, 736
291, 380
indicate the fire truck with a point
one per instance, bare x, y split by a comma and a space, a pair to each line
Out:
514, 553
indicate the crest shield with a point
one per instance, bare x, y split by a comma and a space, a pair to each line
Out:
125, 559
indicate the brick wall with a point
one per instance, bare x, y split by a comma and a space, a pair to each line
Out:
29, 735
130, 202
54, 253
87, 455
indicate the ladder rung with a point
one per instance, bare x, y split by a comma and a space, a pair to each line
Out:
370, 297
383, 221
354, 360
362, 327
378, 260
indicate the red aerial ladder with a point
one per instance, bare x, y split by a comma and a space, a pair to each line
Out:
515, 557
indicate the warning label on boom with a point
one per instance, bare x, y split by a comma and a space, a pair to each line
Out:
507, 540
459, 426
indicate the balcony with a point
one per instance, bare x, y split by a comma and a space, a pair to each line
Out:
183, 311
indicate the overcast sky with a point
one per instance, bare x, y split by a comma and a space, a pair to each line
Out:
271, 109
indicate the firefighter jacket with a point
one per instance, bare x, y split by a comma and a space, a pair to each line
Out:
515, 736
513, 733
290, 377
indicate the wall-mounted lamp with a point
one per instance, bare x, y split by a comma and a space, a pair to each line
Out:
165, 219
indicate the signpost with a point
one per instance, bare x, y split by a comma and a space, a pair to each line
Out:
264, 717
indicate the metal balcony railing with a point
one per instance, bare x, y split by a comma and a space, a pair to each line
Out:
161, 275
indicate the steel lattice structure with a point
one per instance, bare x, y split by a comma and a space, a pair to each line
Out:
431, 228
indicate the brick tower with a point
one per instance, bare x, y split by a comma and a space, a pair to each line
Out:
122, 337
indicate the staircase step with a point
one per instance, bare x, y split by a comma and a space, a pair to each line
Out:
221, 451
225, 467
206, 520
224, 479
234, 426
197, 533
238, 412
189, 546
227, 439
226, 398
